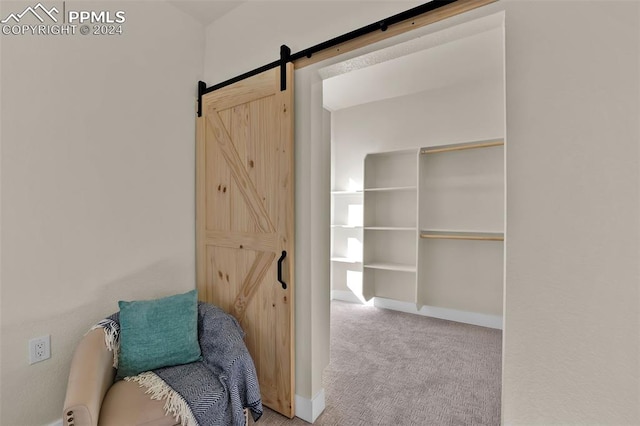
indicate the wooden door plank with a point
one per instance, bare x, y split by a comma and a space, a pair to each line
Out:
284, 312
286, 185
251, 283
241, 218
218, 184
243, 240
239, 173
242, 92
201, 282
262, 160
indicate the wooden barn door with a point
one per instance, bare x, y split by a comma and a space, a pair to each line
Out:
244, 221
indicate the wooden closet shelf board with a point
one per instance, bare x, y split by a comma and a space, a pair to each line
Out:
462, 146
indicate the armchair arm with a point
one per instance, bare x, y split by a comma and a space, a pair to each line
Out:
91, 375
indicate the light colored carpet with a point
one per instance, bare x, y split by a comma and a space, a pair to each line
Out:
391, 368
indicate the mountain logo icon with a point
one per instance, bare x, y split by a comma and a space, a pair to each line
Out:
39, 11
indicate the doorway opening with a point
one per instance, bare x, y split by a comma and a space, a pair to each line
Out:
418, 179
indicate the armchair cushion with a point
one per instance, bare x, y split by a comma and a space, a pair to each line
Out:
158, 333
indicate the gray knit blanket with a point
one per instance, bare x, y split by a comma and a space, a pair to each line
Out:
212, 392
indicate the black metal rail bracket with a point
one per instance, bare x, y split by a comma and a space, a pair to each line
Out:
285, 56
202, 86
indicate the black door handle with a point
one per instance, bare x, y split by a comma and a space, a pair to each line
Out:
284, 254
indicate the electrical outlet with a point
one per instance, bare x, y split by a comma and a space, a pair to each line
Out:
39, 349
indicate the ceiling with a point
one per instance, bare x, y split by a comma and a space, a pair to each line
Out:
206, 11
460, 60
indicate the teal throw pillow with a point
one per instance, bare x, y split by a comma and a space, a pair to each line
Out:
158, 333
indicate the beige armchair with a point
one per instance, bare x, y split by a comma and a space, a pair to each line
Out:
93, 399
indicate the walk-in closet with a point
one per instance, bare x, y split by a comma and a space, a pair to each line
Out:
418, 176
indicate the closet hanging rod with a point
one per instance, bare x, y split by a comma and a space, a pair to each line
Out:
382, 25
452, 235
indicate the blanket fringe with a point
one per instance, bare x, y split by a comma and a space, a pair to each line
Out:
111, 337
159, 390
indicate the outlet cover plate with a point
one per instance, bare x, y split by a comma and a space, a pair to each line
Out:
39, 349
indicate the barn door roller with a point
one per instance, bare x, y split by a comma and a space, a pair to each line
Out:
285, 56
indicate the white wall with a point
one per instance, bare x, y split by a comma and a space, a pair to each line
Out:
251, 35
97, 175
572, 329
462, 113
572, 324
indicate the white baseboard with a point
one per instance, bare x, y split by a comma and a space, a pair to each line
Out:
309, 409
345, 296
484, 320
474, 318
56, 423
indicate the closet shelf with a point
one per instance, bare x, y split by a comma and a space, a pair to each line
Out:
406, 197
462, 146
462, 235
391, 266
390, 228
345, 260
392, 188
347, 226
359, 192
